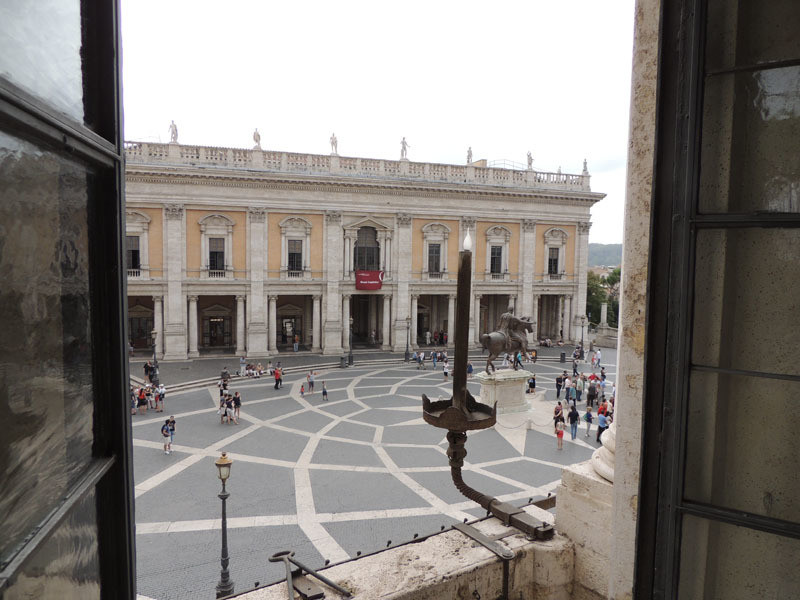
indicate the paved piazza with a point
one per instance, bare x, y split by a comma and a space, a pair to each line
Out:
325, 479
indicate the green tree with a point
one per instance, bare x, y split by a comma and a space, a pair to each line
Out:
611, 284
595, 296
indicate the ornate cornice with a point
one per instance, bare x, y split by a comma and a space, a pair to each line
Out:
528, 224
403, 219
333, 216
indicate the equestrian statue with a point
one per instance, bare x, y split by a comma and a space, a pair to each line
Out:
509, 337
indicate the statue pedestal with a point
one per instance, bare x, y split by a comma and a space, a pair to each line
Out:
507, 388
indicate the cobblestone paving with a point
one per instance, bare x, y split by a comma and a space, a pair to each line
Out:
326, 479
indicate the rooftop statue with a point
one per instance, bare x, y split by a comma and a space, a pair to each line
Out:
510, 337
334, 144
173, 133
530, 161
469, 155
257, 139
403, 148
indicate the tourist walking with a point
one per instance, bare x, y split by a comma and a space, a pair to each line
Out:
559, 385
445, 369
171, 432
470, 369
573, 417
165, 436
602, 425
558, 413
310, 380
237, 404
324, 392
433, 358
302, 390
588, 418
579, 384
560, 433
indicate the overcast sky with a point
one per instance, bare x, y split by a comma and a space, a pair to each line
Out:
503, 77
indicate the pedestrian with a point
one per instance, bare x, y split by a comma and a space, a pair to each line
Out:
149, 393
142, 401
587, 416
147, 368
532, 384
444, 337
597, 357
579, 384
162, 395
277, 374
603, 373
558, 413
237, 404
559, 385
242, 366
171, 432
573, 417
225, 375
602, 424
421, 360
296, 342
302, 390
574, 367
310, 379
504, 365
165, 436
560, 433
433, 358
229, 410
445, 369
470, 369
517, 360
324, 392
427, 337
221, 412
591, 394
436, 339
134, 401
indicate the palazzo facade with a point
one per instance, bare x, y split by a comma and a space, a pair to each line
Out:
235, 250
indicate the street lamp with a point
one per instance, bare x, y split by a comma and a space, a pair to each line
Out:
408, 338
154, 377
225, 585
583, 324
350, 350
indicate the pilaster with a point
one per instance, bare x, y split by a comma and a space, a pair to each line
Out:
175, 342
402, 308
331, 338
193, 352
315, 323
256, 321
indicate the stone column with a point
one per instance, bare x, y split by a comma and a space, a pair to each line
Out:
256, 321
477, 312
193, 352
273, 324
315, 323
414, 308
346, 321
387, 323
581, 270
403, 276
331, 334
534, 336
451, 319
158, 325
565, 317
527, 267
240, 345
604, 314
175, 342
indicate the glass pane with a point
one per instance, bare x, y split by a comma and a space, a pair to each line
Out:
726, 562
745, 305
738, 451
751, 33
65, 566
46, 373
216, 244
295, 246
40, 51
751, 141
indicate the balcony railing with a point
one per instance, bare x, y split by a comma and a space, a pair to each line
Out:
436, 274
268, 160
134, 272
294, 274
216, 274
499, 276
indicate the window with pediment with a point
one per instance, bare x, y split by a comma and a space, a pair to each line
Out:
555, 246
137, 226
435, 236
295, 247
216, 233
498, 239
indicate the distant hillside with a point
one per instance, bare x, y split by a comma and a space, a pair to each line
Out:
605, 255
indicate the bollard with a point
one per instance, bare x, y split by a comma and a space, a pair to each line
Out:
343, 362
563, 357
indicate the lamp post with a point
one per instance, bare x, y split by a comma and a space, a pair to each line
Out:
350, 349
583, 324
154, 378
225, 585
408, 338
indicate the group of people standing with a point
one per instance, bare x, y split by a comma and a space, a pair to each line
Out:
438, 337
595, 386
147, 396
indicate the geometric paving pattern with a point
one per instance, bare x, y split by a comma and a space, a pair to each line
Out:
326, 479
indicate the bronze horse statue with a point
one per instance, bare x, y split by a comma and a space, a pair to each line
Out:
497, 342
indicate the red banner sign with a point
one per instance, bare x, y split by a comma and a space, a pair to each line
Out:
369, 280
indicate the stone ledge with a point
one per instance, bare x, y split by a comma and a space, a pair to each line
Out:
450, 565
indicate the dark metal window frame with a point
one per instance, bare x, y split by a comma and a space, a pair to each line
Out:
294, 258
216, 258
675, 224
434, 258
552, 261
98, 143
133, 258
496, 259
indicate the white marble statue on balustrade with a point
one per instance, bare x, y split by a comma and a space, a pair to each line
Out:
469, 155
334, 144
530, 161
257, 139
173, 133
404, 149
